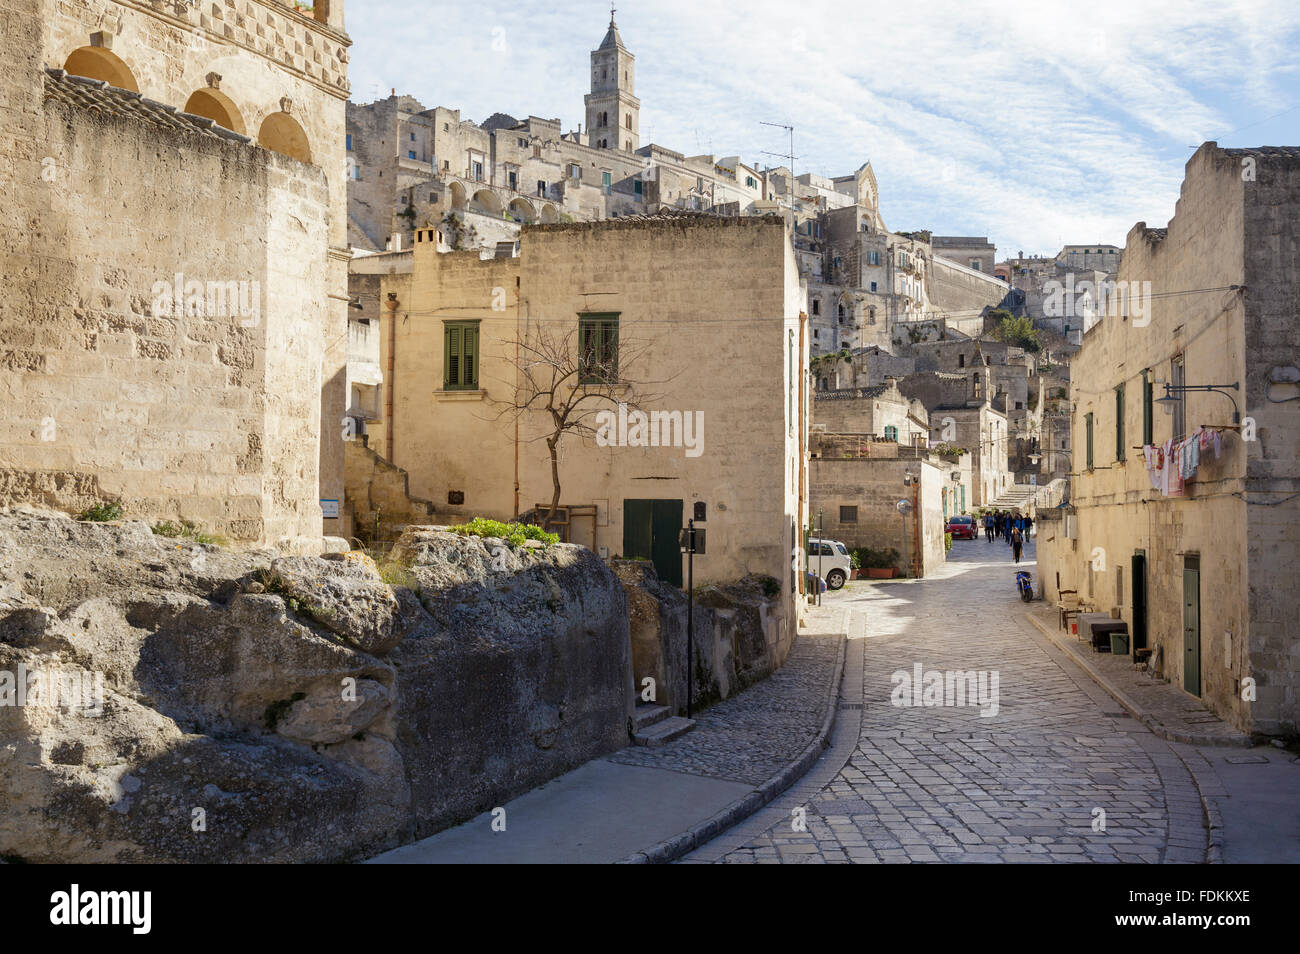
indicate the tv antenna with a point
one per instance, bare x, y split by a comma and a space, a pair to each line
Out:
789, 155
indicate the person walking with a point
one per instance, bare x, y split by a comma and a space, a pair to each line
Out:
988, 527
1017, 542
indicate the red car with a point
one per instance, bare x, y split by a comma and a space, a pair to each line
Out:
962, 528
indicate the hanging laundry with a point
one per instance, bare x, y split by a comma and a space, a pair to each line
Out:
1155, 465
1190, 457
1173, 468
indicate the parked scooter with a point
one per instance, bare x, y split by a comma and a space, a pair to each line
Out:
1025, 584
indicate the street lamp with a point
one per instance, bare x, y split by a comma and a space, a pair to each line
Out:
1169, 400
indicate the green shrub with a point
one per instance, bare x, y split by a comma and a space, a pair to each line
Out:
513, 533
188, 531
874, 559
102, 512
947, 542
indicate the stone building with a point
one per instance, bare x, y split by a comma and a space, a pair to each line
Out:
880, 412
962, 415
479, 183
1101, 258
976, 253
714, 445
855, 488
1200, 559
174, 307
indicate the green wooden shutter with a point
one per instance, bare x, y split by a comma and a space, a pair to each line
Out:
451, 356
1119, 423
1148, 425
469, 357
1087, 428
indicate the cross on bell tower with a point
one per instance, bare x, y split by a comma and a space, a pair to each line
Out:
613, 112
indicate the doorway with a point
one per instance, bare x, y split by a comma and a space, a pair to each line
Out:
651, 530
1139, 590
1192, 624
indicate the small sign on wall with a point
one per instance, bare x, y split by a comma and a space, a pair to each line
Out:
329, 509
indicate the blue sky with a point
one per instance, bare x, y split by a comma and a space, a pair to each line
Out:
1035, 123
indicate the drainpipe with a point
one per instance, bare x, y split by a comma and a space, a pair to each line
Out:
391, 305
518, 317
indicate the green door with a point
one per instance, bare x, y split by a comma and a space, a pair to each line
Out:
650, 532
1192, 626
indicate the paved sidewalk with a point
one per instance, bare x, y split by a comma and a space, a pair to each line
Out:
652, 805
1163, 708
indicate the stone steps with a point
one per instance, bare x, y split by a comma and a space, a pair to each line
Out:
647, 714
663, 731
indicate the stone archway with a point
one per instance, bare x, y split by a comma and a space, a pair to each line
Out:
95, 62
457, 192
549, 214
486, 202
522, 210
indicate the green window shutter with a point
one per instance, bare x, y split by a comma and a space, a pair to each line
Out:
460, 341
451, 356
469, 358
1148, 406
1119, 423
1087, 429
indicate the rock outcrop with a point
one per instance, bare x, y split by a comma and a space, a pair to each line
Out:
191, 704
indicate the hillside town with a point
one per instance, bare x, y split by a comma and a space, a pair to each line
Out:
379, 485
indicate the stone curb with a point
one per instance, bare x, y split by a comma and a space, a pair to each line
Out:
1135, 710
670, 849
1210, 811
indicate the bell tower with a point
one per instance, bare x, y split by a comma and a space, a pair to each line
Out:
613, 113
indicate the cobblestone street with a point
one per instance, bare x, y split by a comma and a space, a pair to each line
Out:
1024, 783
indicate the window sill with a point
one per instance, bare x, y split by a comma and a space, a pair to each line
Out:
466, 395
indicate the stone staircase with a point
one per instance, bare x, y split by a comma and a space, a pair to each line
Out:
1018, 496
1015, 497
655, 725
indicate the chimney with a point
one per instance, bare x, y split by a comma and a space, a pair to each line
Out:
395, 243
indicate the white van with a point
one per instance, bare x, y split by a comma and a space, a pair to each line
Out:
830, 559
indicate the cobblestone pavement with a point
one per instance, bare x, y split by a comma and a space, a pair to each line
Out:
752, 736
949, 784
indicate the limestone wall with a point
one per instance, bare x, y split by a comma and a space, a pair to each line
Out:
874, 486
1234, 519
214, 418
962, 294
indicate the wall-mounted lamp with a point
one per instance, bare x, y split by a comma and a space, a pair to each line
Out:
1169, 400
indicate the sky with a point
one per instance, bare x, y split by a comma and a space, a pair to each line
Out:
1038, 124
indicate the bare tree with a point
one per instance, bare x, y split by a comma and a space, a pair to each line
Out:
567, 378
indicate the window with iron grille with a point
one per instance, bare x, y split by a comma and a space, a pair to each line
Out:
598, 341
848, 514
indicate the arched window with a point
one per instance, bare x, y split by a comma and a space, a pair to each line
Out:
217, 106
281, 133
95, 62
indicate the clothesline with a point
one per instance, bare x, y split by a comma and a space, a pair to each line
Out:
1172, 464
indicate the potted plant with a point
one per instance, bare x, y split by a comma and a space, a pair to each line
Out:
881, 564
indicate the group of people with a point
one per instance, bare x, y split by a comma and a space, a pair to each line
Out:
1013, 527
